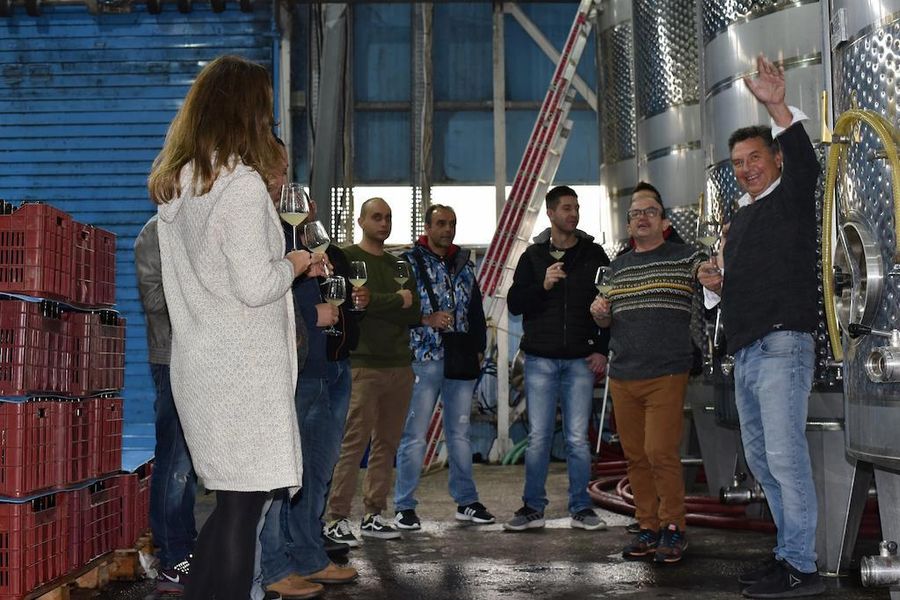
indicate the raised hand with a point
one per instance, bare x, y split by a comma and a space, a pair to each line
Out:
768, 88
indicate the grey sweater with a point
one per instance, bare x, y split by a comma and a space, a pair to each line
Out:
651, 312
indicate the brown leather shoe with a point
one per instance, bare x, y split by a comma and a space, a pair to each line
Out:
294, 586
334, 574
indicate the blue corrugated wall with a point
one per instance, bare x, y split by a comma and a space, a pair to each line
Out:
463, 72
85, 101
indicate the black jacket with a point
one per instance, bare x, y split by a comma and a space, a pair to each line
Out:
558, 322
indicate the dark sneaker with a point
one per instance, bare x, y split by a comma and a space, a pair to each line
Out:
333, 548
373, 526
586, 518
633, 528
642, 545
759, 572
786, 582
339, 531
671, 546
475, 512
173, 580
525, 518
407, 519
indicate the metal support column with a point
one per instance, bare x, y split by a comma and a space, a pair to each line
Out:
422, 114
327, 108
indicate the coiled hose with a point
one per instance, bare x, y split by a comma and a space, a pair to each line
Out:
843, 127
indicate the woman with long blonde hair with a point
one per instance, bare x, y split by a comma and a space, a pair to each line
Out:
227, 284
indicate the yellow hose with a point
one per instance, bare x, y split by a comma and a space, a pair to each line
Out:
842, 129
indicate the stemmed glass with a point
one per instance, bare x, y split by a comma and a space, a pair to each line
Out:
293, 207
401, 273
556, 253
708, 235
448, 305
358, 277
334, 291
603, 281
316, 239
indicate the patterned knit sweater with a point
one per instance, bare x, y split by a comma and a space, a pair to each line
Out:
234, 354
651, 312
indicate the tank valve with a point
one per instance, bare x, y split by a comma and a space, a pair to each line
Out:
881, 570
738, 493
883, 363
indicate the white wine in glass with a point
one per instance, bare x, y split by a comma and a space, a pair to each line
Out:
603, 281
315, 238
557, 253
294, 206
401, 272
334, 291
358, 277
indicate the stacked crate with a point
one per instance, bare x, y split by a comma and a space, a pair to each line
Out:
62, 365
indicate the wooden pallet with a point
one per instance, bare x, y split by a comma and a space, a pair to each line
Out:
119, 565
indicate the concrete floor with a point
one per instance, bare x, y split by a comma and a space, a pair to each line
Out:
447, 560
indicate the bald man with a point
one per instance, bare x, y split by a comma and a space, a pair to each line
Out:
382, 380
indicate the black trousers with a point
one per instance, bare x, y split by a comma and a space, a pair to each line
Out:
222, 567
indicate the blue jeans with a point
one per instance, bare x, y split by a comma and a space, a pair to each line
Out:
773, 378
456, 396
292, 535
173, 484
568, 383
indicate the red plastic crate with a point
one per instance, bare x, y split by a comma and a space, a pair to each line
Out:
81, 423
97, 345
34, 544
31, 452
137, 505
94, 266
109, 410
34, 348
102, 509
36, 255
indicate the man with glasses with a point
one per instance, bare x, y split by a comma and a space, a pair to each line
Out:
648, 313
564, 351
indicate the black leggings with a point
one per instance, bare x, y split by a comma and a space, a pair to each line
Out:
222, 567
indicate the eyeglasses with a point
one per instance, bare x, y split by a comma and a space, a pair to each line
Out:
651, 212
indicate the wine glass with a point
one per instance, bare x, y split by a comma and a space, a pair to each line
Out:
401, 273
334, 290
315, 238
448, 305
603, 281
358, 277
556, 253
708, 235
294, 206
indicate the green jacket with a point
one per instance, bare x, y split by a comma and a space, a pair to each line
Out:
384, 328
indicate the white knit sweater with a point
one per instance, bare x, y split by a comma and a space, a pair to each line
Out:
234, 358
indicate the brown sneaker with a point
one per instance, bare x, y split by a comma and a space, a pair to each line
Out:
294, 586
334, 574
672, 544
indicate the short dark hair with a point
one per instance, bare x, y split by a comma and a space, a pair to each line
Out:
433, 207
756, 131
643, 186
553, 196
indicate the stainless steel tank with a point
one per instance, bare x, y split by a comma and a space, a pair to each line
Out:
667, 83
618, 133
865, 66
865, 37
